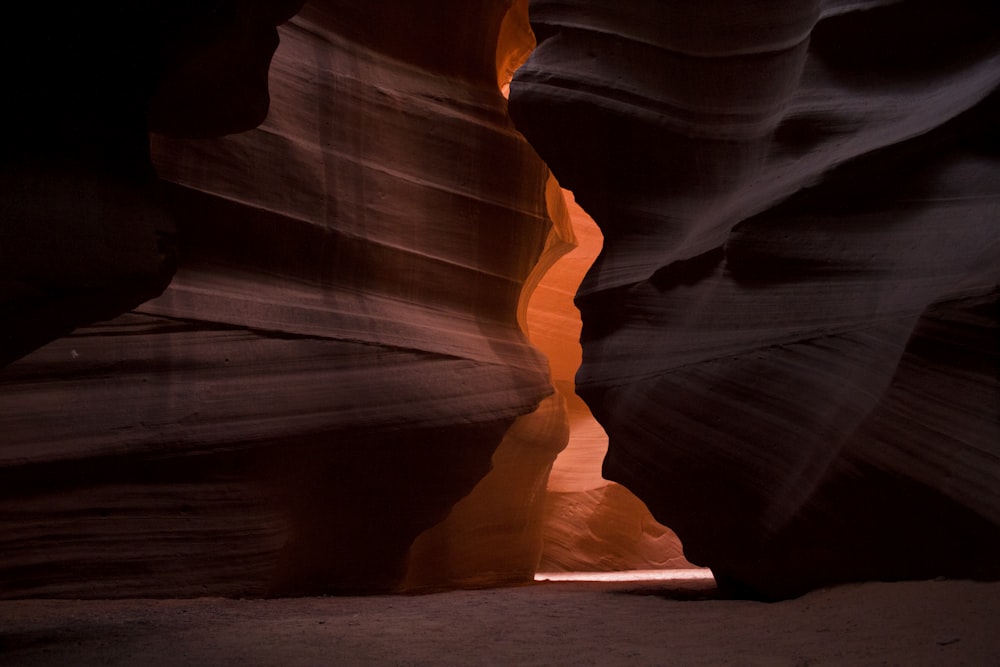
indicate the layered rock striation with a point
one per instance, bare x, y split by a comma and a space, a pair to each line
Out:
289, 366
590, 524
338, 354
790, 335
84, 235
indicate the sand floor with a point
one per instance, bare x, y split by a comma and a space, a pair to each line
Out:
914, 623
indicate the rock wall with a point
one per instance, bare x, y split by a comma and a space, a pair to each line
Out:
338, 354
290, 364
590, 524
790, 335
83, 235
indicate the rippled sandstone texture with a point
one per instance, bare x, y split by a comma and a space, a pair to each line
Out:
83, 235
589, 523
791, 333
338, 354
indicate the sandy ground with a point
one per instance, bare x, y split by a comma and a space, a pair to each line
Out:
921, 623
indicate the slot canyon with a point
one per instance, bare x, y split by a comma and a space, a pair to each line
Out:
312, 313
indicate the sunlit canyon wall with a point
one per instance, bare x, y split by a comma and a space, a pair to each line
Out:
309, 358
338, 355
790, 335
589, 522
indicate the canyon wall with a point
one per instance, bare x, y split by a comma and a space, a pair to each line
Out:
338, 354
790, 335
590, 524
308, 358
83, 237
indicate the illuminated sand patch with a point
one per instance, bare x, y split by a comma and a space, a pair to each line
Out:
692, 574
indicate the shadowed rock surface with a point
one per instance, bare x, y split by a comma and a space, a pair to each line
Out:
791, 333
338, 354
83, 233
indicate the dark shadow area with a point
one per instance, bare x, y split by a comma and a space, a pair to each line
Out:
907, 39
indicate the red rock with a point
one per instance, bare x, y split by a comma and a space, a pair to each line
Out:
790, 334
335, 360
790, 195
84, 236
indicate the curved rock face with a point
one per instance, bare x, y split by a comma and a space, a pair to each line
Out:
338, 355
590, 524
82, 232
494, 535
791, 333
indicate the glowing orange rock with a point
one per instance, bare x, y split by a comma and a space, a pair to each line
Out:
338, 355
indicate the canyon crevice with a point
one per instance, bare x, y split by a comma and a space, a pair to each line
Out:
320, 353
790, 335
338, 354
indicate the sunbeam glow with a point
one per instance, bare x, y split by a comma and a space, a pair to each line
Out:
695, 574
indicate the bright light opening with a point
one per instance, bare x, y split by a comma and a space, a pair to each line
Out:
590, 527
692, 574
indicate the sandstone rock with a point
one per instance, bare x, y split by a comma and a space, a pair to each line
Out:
790, 334
799, 209
338, 355
590, 524
83, 235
